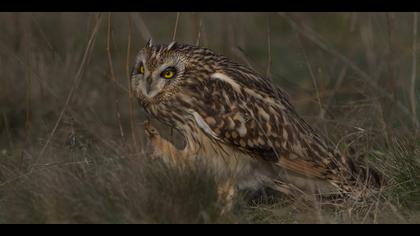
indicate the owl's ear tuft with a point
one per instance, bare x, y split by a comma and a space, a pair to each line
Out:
171, 45
149, 43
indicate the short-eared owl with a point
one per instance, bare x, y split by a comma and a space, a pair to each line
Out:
231, 113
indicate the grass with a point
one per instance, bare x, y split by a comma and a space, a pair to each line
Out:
82, 188
71, 138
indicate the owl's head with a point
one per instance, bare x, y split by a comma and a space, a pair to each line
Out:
159, 70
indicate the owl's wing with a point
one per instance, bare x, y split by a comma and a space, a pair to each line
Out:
259, 120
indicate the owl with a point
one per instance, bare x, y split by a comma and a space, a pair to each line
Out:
237, 120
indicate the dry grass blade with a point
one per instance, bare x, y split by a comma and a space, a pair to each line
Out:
317, 39
76, 82
239, 52
269, 57
413, 74
7, 129
141, 26
176, 26
314, 79
200, 26
128, 74
113, 78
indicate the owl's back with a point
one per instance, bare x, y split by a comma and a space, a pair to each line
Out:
237, 106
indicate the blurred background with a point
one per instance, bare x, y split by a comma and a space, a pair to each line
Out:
342, 70
64, 79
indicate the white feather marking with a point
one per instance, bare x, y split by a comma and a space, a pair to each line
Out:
226, 79
242, 130
203, 125
263, 114
237, 88
170, 45
149, 43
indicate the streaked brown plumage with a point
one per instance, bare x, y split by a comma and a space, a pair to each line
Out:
231, 113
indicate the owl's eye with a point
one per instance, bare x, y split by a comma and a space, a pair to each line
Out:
168, 73
141, 69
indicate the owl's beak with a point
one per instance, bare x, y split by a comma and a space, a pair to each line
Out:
148, 84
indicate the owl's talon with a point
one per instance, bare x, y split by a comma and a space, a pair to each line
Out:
149, 130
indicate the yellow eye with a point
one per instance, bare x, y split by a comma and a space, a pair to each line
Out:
141, 70
168, 73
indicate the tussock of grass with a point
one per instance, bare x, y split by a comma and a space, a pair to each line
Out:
400, 165
97, 187
90, 185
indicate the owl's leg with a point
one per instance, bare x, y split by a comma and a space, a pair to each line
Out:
162, 148
226, 192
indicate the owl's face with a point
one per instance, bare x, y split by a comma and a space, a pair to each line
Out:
157, 71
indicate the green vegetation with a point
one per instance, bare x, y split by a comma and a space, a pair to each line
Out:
71, 139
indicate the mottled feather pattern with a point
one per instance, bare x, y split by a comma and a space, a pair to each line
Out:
239, 107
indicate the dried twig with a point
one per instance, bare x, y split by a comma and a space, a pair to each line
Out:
113, 77
413, 74
128, 74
